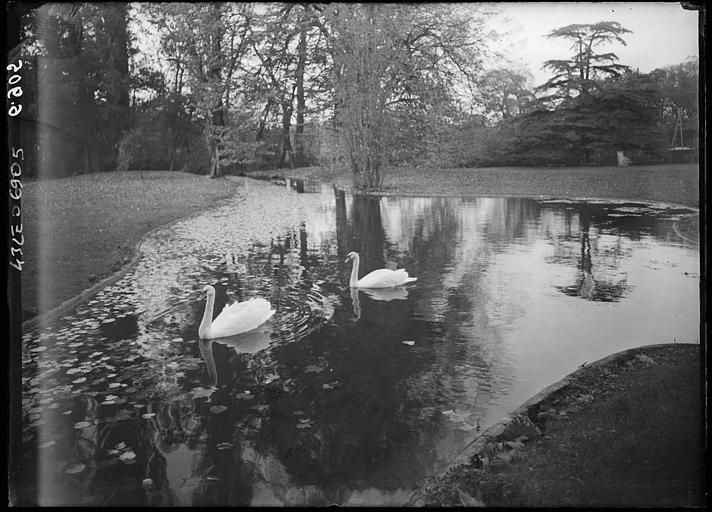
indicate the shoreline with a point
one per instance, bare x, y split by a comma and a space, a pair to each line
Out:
507, 441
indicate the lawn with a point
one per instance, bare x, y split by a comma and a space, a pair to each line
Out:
677, 183
79, 230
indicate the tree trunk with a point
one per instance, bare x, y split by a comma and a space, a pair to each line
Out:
217, 116
118, 67
287, 152
301, 105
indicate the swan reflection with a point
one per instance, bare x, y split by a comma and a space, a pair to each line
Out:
249, 342
382, 294
387, 294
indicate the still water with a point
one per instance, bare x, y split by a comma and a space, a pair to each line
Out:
327, 403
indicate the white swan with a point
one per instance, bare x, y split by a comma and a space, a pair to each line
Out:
381, 278
233, 319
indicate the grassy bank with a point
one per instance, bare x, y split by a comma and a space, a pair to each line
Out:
678, 183
79, 230
628, 433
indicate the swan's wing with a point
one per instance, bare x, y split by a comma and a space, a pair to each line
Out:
383, 278
241, 317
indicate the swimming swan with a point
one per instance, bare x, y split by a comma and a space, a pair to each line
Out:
233, 319
381, 278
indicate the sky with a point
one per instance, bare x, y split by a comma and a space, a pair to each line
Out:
663, 33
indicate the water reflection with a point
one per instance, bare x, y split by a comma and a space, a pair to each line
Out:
124, 405
587, 286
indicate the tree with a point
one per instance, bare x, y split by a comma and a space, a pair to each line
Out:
207, 42
580, 73
398, 69
80, 53
677, 89
504, 93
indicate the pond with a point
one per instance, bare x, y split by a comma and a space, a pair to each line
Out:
341, 397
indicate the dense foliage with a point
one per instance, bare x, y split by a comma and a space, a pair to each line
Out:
221, 87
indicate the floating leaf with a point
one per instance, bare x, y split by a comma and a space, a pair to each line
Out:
201, 392
79, 380
115, 385
515, 445
77, 468
47, 444
82, 424
147, 483
120, 446
218, 409
313, 369
271, 378
409, 342
224, 446
244, 396
148, 415
127, 456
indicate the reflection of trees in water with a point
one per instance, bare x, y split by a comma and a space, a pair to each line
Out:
587, 286
630, 220
450, 245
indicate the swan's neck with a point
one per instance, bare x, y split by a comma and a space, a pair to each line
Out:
354, 273
204, 329
206, 349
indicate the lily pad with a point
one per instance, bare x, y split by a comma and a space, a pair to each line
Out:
76, 468
127, 456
